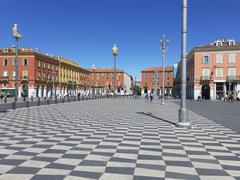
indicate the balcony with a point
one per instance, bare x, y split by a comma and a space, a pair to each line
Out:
233, 78
205, 79
4, 79
49, 80
24, 79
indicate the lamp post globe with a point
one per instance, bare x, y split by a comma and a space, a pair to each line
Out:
115, 50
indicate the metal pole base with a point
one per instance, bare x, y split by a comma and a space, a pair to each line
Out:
186, 125
183, 118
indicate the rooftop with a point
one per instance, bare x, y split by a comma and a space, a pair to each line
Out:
111, 70
219, 45
152, 69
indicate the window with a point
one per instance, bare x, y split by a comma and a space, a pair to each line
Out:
5, 62
52, 67
48, 66
25, 62
5, 85
231, 71
231, 58
231, 43
39, 75
218, 43
219, 72
5, 73
219, 58
44, 65
205, 60
205, 72
14, 74
39, 63
25, 74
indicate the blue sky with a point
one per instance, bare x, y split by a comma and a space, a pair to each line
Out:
85, 30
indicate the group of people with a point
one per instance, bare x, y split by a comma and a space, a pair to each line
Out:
149, 96
224, 97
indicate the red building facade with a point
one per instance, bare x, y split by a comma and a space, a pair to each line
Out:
39, 75
152, 80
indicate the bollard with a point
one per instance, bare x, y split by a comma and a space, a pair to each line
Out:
48, 102
32, 98
74, 98
13, 105
24, 99
38, 101
69, 100
78, 98
27, 104
62, 100
56, 101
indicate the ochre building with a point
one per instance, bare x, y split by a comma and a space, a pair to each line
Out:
41, 75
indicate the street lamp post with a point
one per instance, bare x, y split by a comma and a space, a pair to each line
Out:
163, 43
183, 114
94, 80
115, 53
135, 86
17, 36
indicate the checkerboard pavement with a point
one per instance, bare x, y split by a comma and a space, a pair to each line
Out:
120, 139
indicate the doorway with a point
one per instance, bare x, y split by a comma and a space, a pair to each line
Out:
206, 91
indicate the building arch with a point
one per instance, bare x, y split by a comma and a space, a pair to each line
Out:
205, 91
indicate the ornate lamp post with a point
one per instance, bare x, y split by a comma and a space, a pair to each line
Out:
17, 36
115, 53
94, 80
163, 43
183, 114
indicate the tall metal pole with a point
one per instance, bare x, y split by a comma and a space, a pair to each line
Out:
164, 43
115, 53
16, 72
183, 113
16, 36
135, 85
114, 82
163, 74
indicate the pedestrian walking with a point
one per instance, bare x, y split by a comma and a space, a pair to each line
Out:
225, 97
146, 97
151, 96
199, 97
238, 96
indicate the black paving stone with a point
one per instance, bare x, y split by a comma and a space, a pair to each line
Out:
85, 174
119, 170
23, 170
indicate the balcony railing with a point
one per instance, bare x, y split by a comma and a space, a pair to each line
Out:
25, 78
4, 78
233, 78
205, 78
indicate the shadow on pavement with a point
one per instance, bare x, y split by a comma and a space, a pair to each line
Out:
151, 115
